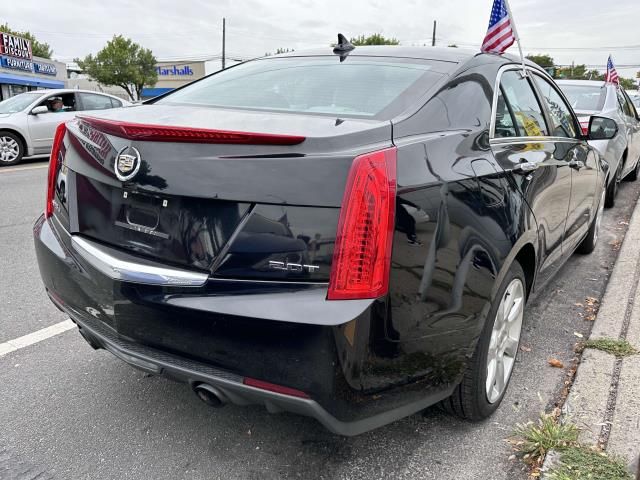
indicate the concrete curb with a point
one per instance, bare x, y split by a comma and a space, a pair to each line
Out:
604, 400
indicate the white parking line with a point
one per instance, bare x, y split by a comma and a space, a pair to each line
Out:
35, 337
19, 169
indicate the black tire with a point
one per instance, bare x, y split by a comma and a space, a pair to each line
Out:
11, 149
588, 245
635, 173
469, 399
612, 187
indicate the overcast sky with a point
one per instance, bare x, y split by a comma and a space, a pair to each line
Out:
584, 31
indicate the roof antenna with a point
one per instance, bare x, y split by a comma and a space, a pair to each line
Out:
343, 47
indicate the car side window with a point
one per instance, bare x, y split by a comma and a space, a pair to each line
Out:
92, 101
524, 105
116, 103
505, 123
61, 102
627, 106
561, 117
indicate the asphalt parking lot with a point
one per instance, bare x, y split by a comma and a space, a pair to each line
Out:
68, 412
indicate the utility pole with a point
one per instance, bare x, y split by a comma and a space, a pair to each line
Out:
433, 39
224, 34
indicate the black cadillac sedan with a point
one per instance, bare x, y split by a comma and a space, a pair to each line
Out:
350, 235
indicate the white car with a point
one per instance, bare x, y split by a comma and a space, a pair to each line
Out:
634, 95
28, 121
622, 152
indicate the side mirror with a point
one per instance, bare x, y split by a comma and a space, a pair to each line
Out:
39, 109
602, 128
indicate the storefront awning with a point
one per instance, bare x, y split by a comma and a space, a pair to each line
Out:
31, 81
154, 92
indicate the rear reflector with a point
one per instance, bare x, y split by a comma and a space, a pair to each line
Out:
54, 164
272, 387
362, 255
163, 133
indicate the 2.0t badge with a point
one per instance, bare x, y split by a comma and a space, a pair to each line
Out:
127, 163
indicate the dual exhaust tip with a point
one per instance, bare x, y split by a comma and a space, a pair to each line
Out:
210, 395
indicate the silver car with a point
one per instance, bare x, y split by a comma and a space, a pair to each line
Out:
29, 120
622, 153
634, 95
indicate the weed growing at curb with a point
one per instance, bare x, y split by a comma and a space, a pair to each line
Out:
533, 440
579, 463
536, 439
619, 348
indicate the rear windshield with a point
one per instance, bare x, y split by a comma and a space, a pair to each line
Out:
585, 97
370, 87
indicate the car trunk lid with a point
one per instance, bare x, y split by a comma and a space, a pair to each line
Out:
261, 205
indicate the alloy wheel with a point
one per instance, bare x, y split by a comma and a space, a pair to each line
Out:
505, 338
9, 149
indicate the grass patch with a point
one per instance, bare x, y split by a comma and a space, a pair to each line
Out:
619, 348
537, 438
578, 463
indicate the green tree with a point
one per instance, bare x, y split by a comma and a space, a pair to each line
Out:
279, 51
375, 39
40, 49
573, 72
545, 61
122, 63
628, 83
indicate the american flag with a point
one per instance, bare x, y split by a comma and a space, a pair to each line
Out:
612, 74
500, 35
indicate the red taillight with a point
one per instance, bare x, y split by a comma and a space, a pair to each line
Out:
54, 164
584, 125
163, 133
585, 128
272, 387
362, 255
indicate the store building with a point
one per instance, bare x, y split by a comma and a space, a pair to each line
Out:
21, 72
173, 75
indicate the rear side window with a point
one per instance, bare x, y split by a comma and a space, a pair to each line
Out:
561, 117
505, 123
585, 98
358, 86
525, 108
91, 101
625, 104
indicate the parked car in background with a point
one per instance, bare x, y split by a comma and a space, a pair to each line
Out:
622, 153
634, 95
28, 121
348, 235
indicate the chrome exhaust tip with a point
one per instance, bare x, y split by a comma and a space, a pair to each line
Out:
210, 395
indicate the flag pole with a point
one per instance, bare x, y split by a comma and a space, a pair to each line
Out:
515, 34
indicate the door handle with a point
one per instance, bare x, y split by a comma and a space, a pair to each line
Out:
576, 164
525, 167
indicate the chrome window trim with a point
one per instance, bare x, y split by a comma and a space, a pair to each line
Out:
494, 107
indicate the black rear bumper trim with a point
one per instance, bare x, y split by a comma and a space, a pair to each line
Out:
230, 384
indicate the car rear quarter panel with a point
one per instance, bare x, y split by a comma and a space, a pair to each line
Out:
459, 224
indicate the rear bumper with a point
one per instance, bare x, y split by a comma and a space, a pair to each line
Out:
230, 384
350, 391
